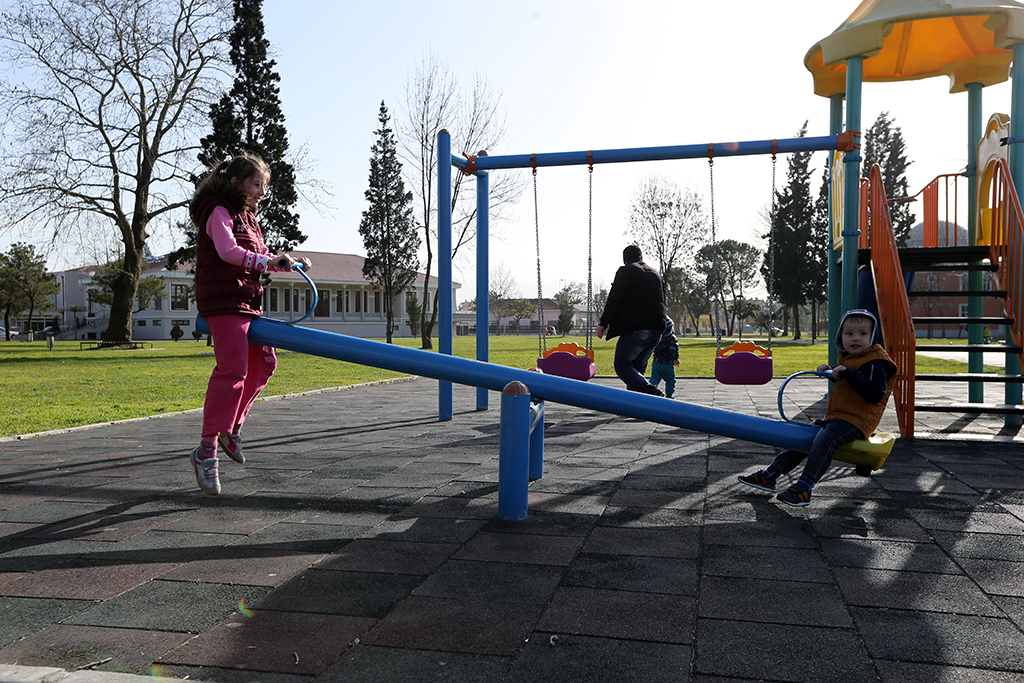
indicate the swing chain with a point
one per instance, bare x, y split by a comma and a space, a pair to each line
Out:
590, 261
771, 258
541, 341
714, 257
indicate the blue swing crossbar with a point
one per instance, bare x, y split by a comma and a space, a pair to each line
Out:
871, 452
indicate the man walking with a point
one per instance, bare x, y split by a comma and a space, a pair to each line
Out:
635, 313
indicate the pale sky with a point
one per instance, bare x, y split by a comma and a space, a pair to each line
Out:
585, 74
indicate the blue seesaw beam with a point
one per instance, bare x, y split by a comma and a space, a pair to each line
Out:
281, 335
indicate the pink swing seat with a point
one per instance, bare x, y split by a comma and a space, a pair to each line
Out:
743, 362
569, 360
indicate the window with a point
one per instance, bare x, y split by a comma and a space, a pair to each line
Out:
287, 301
376, 302
142, 323
359, 298
348, 306
158, 323
182, 323
158, 302
179, 298
323, 305
295, 300
273, 300
309, 299
339, 305
366, 301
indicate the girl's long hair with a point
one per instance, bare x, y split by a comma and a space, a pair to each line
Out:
217, 182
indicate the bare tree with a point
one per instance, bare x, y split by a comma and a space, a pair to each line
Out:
102, 111
434, 102
665, 222
503, 290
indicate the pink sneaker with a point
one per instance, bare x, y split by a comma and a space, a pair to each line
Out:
206, 470
232, 445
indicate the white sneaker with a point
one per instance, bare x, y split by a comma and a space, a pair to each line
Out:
206, 471
232, 445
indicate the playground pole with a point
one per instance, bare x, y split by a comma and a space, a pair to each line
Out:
445, 400
851, 196
483, 314
835, 279
1016, 158
975, 359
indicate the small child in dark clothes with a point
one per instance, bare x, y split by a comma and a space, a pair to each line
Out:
863, 380
665, 359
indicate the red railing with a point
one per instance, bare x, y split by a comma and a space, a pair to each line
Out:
1007, 246
939, 199
893, 305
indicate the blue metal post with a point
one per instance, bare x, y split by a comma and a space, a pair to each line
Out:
536, 440
835, 275
483, 314
975, 307
1013, 390
851, 195
513, 452
445, 399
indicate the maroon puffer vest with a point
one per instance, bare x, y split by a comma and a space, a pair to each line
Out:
221, 287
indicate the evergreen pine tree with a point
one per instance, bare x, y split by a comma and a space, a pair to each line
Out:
793, 228
884, 145
389, 233
248, 119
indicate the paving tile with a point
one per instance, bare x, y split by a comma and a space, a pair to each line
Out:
85, 579
983, 522
996, 577
936, 638
784, 652
755, 562
913, 590
451, 625
272, 641
668, 575
391, 557
107, 649
245, 565
903, 672
895, 555
169, 606
493, 582
356, 594
24, 616
620, 614
388, 665
521, 548
302, 538
425, 530
981, 546
671, 542
777, 602
583, 658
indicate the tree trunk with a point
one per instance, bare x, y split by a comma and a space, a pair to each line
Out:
796, 322
425, 342
125, 287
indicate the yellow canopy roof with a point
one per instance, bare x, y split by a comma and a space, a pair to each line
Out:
904, 40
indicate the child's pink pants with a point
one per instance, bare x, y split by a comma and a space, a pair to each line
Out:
242, 370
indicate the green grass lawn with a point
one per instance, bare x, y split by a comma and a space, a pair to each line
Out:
41, 390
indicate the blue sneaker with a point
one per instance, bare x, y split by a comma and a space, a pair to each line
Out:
795, 496
759, 481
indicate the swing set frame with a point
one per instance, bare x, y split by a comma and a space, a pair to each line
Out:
480, 164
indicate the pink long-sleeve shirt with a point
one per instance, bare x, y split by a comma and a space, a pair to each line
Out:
219, 228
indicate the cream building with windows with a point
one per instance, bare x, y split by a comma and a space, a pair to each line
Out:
348, 304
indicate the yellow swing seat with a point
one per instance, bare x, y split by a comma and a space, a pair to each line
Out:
870, 452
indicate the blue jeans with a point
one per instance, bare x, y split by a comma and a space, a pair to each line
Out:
667, 372
833, 434
631, 355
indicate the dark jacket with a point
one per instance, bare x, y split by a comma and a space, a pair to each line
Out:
635, 302
222, 287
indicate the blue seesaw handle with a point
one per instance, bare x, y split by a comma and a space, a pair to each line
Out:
300, 268
782, 413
